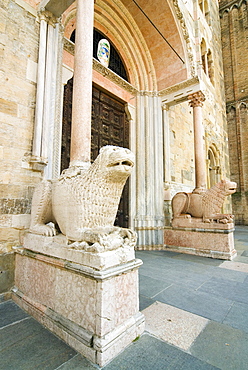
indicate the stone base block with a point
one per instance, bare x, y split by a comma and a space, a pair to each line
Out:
93, 309
207, 240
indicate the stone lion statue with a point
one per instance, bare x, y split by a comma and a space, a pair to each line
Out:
205, 205
83, 204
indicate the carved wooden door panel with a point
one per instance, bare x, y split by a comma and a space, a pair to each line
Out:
66, 126
109, 126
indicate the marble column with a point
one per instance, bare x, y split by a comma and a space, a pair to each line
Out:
51, 97
196, 102
166, 135
42, 153
40, 87
82, 85
149, 220
48, 86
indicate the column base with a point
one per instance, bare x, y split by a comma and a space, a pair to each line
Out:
150, 232
93, 307
192, 236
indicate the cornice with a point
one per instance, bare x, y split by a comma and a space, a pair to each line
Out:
179, 87
106, 72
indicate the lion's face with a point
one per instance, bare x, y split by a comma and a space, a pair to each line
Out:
229, 186
118, 161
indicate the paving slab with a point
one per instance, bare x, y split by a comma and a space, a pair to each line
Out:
149, 287
222, 346
227, 289
237, 317
242, 259
198, 259
228, 274
200, 303
78, 362
237, 266
26, 344
145, 302
173, 325
31, 347
10, 312
150, 353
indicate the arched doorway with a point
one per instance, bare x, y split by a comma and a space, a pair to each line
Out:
109, 126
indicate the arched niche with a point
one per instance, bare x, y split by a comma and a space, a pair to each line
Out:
213, 165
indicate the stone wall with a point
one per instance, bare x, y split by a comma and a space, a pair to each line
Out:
19, 33
234, 31
181, 139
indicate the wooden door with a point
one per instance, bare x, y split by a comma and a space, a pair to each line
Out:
109, 127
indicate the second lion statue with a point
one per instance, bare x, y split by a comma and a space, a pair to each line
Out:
205, 206
83, 204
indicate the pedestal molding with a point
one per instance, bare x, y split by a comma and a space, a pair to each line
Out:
81, 269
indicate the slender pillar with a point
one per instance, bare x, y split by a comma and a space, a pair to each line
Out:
40, 86
82, 85
149, 220
196, 102
47, 91
166, 144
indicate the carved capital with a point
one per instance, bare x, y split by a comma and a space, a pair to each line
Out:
196, 99
165, 107
47, 16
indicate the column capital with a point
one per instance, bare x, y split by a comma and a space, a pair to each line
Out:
47, 16
196, 99
165, 107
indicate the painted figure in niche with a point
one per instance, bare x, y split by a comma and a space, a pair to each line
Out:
103, 52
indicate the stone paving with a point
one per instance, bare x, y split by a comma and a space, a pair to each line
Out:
196, 313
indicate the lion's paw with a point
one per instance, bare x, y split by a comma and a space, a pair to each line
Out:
46, 230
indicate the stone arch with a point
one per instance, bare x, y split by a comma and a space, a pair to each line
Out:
151, 63
231, 109
243, 106
131, 45
213, 165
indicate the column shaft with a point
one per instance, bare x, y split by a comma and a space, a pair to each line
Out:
196, 101
47, 92
40, 89
82, 85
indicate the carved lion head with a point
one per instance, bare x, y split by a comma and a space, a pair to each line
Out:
116, 161
228, 186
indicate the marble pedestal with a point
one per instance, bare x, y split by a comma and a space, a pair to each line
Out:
193, 236
89, 300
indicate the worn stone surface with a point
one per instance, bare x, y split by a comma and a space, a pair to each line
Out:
19, 33
90, 300
7, 265
173, 325
58, 246
200, 241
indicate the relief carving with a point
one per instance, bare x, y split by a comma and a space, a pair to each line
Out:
82, 204
205, 205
